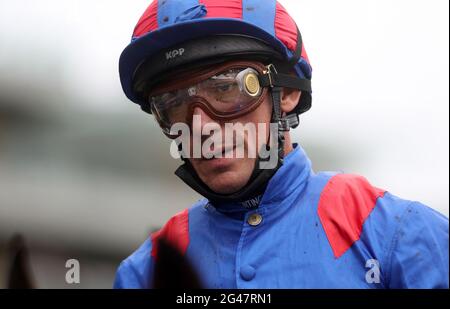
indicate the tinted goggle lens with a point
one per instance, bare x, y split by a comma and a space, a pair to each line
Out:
223, 96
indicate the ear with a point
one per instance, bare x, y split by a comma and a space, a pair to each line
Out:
289, 99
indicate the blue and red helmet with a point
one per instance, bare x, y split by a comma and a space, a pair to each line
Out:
178, 33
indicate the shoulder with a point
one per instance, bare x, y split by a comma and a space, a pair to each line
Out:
398, 231
350, 207
176, 231
345, 203
418, 252
348, 186
136, 270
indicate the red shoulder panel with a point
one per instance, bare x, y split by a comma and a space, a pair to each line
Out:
175, 232
345, 203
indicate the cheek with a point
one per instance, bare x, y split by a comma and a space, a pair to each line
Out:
262, 114
261, 118
242, 168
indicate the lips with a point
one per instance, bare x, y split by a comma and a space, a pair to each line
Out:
219, 152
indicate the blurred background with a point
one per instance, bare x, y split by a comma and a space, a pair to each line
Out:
85, 175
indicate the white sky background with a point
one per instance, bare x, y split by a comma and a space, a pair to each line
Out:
381, 76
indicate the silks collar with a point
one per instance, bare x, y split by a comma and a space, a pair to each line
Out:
292, 175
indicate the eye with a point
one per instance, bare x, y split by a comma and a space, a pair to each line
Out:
224, 87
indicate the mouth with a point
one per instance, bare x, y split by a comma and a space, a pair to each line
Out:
219, 153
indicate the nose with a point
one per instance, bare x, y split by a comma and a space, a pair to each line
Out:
204, 127
200, 118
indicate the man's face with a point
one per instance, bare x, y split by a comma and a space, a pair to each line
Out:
233, 155
228, 175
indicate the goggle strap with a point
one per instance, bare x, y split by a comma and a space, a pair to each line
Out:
284, 123
276, 98
272, 79
277, 118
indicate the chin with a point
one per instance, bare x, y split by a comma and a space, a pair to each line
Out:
227, 183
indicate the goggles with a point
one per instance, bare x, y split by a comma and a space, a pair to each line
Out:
226, 92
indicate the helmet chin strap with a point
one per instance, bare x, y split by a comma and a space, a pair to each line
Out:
259, 179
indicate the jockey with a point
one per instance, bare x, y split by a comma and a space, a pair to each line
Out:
269, 220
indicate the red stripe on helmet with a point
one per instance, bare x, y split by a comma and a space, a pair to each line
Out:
148, 21
285, 28
304, 54
344, 205
175, 233
225, 9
